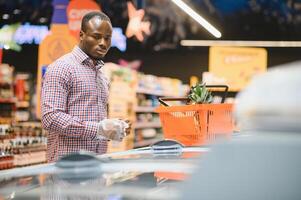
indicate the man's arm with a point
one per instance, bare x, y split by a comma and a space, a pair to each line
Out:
56, 85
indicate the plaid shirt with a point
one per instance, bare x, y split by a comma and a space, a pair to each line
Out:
74, 100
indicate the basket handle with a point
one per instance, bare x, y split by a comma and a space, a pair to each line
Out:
163, 99
225, 93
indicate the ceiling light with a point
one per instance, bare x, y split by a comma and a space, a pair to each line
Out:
42, 20
197, 18
17, 11
241, 43
5, 16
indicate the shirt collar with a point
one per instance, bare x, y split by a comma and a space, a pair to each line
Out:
83, 58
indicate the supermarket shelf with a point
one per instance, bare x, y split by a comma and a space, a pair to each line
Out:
22, 104
147, 125
6, 155
6, 137
153, 92
146, 142
28, 149
8, 100
6, 120
150, 92
145, 109
31, 124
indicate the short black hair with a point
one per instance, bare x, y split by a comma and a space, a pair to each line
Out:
91, 15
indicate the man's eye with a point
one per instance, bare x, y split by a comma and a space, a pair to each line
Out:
97, 37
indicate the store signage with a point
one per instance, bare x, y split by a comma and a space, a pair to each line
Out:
236, 65
118, 39
55, 44
75, 12
7, 33
136, 26
11, 36
30, 34
59, 13
34, 34
6, 37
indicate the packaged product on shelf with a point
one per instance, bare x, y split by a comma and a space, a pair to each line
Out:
22, 87
23, 144
148, 133
6, 73
6, 81
149, 83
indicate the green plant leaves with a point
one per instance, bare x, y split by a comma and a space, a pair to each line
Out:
200, 94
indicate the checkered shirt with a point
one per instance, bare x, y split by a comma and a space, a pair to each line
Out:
74, 101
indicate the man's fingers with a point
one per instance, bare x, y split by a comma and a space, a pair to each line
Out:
128, 131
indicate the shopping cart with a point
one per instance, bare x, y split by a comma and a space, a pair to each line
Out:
198, 124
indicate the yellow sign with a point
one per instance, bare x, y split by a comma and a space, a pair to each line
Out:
55, 45
237, 65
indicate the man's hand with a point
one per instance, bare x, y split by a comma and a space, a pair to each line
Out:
114, 129
128, 129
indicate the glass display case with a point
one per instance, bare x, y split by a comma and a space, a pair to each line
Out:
145, 173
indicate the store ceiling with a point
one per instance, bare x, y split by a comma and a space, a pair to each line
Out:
236, 19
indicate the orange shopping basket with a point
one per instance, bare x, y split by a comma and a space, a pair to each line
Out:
194, 125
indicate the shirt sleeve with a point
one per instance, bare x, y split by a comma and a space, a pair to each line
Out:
56, 86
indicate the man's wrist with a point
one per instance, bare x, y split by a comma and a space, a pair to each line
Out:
101, 133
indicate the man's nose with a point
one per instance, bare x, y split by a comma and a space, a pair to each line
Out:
101, 42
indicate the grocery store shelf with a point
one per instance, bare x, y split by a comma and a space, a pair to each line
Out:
6, 137
6, 155
27, 149
6, 120
22, 104
153, 92
7, 100
150, 92
146, 142
30, 124
145, 109
147, 125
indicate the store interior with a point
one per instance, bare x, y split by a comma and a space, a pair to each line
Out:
159, 49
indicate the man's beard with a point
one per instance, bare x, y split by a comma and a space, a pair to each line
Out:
94, 57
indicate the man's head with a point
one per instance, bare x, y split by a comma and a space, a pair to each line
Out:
95, 35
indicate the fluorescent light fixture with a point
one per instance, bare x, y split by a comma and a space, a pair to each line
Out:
241, 43
6, 47
197, 18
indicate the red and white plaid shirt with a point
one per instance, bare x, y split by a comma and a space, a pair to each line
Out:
74, 101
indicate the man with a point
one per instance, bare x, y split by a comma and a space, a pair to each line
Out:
75, 94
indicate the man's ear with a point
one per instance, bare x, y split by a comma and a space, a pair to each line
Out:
81, 35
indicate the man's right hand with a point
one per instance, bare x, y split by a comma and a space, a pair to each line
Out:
113, 129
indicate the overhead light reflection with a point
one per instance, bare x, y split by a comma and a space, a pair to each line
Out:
210, 28
241, 43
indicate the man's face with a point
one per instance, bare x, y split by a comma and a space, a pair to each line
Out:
96, 40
